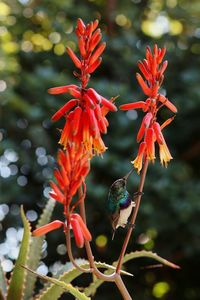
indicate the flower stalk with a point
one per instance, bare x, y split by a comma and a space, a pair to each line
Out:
133, 216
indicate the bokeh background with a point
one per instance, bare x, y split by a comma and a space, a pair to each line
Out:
33, 37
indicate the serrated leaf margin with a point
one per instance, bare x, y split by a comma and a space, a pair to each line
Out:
18, 277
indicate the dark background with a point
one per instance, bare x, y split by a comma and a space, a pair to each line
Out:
33, 36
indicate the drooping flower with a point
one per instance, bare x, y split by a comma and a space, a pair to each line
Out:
152, 69
84, 120
80, 230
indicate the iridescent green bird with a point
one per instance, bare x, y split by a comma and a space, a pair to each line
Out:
120, 203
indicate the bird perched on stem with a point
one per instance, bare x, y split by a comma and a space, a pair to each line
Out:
120, 203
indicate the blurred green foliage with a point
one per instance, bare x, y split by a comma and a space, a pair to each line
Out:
33, 36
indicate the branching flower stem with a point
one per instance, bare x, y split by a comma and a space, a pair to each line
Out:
114, 277
134, 215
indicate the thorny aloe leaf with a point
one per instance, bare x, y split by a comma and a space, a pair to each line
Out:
66, 287
36, 248
3, 283
91, 289
17, 281
53, 292
149, 254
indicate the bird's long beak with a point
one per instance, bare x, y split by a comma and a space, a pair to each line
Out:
127, 175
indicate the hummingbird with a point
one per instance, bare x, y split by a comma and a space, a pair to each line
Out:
120, 203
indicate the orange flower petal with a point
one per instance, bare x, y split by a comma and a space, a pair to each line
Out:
150, 146
74, 58
134, 105
138, 162
144, 71
167, 122
108, 104
78, 235
145, 88
81, 45
59, 179
158, 133
94, 95
93, 122
76, 119
81, 25
65, 108
95, 39
167, 103
102, 125
95, 24
163, 68
85, 231
145, 124
61, 197
61, 89
95, 65
47, 228
161, 55
97, 53
165, 155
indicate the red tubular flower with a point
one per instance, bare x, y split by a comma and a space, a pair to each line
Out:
139, 159
152, 69
145, 124
165, 155
47, 228
150, 146
78, 234
80, 230
85, 121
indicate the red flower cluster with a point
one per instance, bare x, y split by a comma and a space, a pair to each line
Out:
73, 167
150, 131
85, 120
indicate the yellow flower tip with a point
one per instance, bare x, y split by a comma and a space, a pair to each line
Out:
137, 163
165, 155
151, 158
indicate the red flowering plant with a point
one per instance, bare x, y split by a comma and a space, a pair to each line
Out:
152, 68
81, 139
85, 121
150, 132
84, 114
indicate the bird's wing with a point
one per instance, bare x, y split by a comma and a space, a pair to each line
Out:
115, 218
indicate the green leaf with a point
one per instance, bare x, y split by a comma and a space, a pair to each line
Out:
36, 249
53, 292
91, 289
3, 283
149, 254
58, 284
17, 281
